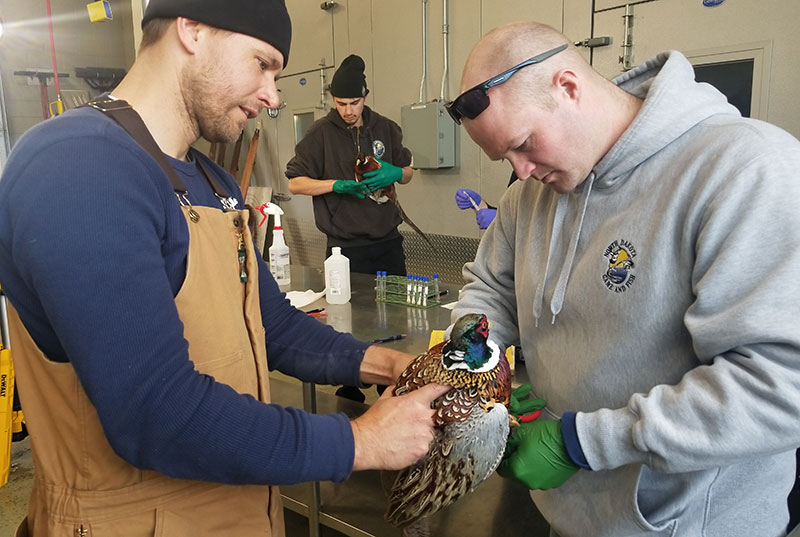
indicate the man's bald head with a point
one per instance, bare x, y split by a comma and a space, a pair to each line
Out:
510, 44
552, 120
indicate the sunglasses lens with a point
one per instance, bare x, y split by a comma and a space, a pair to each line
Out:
469, 104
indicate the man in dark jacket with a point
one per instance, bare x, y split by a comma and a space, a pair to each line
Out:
353, 214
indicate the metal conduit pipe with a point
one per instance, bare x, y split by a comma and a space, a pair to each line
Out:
322, 96
627, 40
445, 43
422, 92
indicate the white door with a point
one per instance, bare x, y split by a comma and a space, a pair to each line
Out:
730, 39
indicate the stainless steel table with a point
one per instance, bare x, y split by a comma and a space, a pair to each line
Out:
356, 507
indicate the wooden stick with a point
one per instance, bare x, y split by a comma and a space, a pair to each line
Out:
221, 154
237, 150
250, 162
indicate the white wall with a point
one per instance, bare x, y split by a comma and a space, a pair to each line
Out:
388, 35
78, 43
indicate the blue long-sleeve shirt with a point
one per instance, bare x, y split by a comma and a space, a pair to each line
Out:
93, 249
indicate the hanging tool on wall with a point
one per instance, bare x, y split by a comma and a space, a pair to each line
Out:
237, 150
221, 148
43, 77
250, 162
59, 104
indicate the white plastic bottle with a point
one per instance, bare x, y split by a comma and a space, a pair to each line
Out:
337, 277
279, 255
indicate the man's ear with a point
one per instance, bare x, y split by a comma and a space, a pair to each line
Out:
565, 81
188, 33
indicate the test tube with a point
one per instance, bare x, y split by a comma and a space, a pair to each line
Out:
408, 289
425, 292
436, 285
378, 285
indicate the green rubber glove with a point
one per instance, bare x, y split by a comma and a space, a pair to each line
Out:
536, 456
384, 176
525, 409
350, 187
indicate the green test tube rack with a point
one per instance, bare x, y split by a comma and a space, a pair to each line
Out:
395, 290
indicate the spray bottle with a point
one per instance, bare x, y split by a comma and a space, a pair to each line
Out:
278, 252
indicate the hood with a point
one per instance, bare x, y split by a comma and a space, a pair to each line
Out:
663, 83
672, 104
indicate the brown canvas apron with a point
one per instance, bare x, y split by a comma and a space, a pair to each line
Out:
81, 487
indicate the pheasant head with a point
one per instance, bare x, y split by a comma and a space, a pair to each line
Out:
468, 347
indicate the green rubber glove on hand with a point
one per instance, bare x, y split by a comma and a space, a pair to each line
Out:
519, 407
536, 456
350, 187
384, 176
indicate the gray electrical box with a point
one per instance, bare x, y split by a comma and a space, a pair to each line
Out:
429, 132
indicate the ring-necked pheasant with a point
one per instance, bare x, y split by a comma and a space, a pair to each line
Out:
366, 163
472, 423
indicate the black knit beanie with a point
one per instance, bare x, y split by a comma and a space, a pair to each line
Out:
349, 81
266, 20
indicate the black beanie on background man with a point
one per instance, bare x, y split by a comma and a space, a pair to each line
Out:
266, 20
349, 81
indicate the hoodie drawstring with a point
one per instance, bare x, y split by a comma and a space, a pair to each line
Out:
561, 208
557, 300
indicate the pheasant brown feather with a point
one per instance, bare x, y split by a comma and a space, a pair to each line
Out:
472, 426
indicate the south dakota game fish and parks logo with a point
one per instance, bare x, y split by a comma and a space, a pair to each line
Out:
619, 276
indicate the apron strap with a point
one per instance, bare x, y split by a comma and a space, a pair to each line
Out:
122, 112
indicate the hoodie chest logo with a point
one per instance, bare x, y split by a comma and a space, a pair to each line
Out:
619, 276
378, 149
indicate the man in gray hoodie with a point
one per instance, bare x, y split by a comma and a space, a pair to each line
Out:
649, 268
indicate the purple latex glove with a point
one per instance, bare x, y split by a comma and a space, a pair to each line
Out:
463, 196
484, 217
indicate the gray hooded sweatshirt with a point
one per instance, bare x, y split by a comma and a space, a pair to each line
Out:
660, 301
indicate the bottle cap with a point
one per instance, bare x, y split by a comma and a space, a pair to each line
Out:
336, 250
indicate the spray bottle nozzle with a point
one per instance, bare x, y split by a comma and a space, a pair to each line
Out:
274, 210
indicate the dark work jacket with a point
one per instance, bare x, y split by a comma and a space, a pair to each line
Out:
328, 151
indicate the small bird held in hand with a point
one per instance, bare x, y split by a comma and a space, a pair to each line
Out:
472, 424
366, 164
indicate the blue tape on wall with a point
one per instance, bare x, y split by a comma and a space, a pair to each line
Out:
712, 3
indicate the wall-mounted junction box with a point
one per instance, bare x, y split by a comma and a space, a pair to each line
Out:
429, 132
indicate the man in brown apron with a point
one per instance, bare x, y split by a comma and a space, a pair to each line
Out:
130, 417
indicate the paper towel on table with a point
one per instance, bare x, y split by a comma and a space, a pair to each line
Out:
304, 298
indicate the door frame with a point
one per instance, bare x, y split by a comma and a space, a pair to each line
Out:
761, 54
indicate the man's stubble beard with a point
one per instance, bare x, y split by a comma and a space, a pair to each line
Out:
205, 105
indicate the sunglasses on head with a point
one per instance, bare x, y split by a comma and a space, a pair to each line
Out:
475, 100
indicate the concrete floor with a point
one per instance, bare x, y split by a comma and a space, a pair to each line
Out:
14, 495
